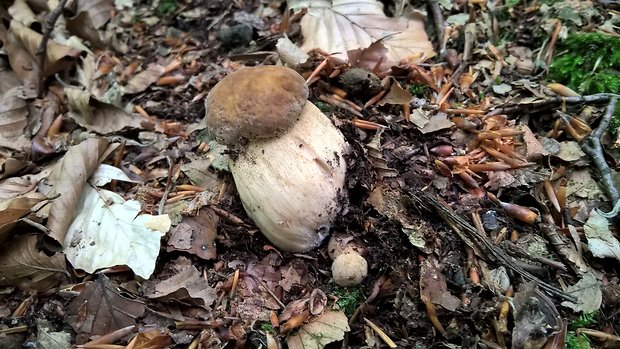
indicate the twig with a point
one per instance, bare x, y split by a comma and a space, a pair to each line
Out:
439, 24
479, 242
592, 146
553, 102
42, 50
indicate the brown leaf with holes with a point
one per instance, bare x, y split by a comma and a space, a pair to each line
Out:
22, 265
101, 309
196, 235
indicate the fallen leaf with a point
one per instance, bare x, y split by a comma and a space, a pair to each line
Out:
24, 266
13, 209
600, 239
438, 121
144, 79
99, 11
340, 26
57, 57
396, 94
106, 222
186, 286
13, 113
104, 174
570, 151
101, 309
536, 317
196, 235
21, 12
588, 293
68, 179
47, 338
433, 287
326, 328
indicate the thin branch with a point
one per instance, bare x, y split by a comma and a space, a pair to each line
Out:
592, 146
552, 102
42, 50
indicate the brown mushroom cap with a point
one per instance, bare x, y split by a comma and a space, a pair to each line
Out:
255, 102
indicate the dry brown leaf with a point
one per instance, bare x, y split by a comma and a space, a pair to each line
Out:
98, 116
433, 287
13, 113
144, 79
326, 328
14, 209
99, 11
101, 309
196, 235
340, 26
396, 94
25, 267
22, 63
57, 56
82, 26
186, 286
68, 179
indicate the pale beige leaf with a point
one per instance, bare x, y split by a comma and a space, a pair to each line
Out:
22, 63
68, 179
341, 26
16, 186
21, 12
326, 328
13, 113
57, 56
106, 222
24, 266
144, 79
14, 209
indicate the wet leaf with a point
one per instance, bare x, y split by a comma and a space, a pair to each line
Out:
326, 328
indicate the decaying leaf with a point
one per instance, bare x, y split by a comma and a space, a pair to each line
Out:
13, 113
196, 235
101, 309
588, 293
186, 286
341, 26
326, 328
106, 222
24, 266
536, 317
144, 79
600, 240
433, 287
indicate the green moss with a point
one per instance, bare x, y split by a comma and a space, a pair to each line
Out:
324, 107
166, 7
580, 341
588, 63
348, 298
417, 90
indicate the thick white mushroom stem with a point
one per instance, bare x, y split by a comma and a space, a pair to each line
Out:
292, 185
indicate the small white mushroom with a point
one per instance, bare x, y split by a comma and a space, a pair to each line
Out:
349, 268
290, 172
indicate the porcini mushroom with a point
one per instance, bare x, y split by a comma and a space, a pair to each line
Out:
290, 170
349, 267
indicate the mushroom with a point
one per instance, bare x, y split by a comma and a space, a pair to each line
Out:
290, 168
349, 268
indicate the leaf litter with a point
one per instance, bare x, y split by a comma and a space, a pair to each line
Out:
118, 215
